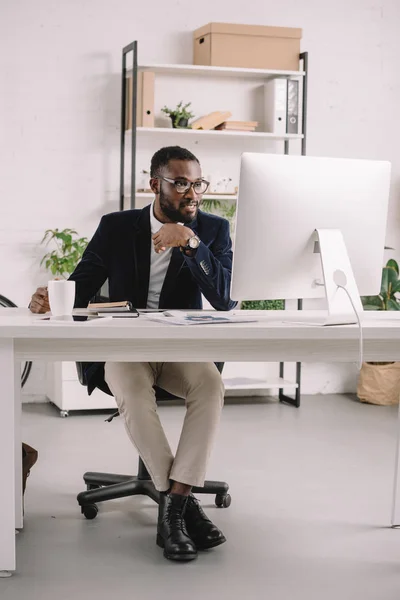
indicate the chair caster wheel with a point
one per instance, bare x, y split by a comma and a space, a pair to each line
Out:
90, 511
64, 414
223, 500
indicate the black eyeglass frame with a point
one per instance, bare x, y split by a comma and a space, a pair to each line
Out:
190, 184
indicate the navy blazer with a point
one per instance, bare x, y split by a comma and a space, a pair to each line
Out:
120, 252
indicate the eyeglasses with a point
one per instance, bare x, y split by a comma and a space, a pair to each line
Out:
182, 186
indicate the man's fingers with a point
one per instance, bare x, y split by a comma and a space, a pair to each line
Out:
159, 246
39, 302
40, 299
157, 243
37, 307
41, 291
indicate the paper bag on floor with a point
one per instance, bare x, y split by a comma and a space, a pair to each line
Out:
379, 383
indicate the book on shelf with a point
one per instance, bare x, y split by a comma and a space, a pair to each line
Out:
123, 306
144, 100
231, 124
237, 126
211, 120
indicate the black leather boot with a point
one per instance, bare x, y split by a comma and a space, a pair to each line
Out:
201, 530
172, 534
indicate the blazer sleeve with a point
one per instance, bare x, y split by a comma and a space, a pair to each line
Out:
92, 270
211, 267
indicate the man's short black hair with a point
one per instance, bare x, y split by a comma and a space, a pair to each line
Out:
162, 157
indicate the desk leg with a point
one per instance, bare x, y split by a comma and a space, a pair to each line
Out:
396, 473
19, 501
7, 457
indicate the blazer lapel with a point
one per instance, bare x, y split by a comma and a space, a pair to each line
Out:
175, 265
141, 254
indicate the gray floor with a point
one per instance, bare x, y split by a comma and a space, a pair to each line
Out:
309, 517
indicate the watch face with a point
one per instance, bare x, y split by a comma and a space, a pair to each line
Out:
194, 242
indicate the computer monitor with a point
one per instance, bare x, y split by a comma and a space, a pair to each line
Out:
282, 201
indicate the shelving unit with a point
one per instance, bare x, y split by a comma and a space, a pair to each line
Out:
206, 71
150, 196
236, 384
214, 136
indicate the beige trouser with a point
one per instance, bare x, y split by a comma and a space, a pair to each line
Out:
201, 386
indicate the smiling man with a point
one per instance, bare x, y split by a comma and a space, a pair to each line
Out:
164, 256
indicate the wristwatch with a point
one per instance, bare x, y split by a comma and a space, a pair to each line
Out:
192, 244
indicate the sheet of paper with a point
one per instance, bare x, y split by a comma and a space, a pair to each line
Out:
182, 318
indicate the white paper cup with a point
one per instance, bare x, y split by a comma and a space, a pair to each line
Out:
61, 297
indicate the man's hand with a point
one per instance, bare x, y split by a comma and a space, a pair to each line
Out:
171, 235
40, 301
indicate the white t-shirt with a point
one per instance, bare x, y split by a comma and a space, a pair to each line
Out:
159, 264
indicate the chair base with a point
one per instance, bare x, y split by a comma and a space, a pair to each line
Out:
110, 486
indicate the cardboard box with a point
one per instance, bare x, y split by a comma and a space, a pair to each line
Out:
247, 46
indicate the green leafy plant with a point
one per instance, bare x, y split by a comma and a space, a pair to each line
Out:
67, 253
223, 208
390, 286
262, 305
180, 115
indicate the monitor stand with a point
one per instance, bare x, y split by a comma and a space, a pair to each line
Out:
337, 271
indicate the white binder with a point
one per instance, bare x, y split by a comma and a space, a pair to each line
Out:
275, 106
292, 106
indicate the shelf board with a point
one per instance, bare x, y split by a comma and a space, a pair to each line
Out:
206, 196
205, 71
247, 383
259, 135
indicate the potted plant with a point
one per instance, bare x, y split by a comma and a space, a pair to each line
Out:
62, 260
180, 115
379, 382
223, 208
262, 305
390, 286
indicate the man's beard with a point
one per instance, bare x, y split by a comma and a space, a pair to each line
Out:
175, 215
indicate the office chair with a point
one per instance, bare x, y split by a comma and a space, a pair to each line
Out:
110, 486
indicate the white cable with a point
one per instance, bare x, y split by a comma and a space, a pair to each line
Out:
361, 342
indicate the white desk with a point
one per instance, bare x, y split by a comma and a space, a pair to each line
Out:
272, 338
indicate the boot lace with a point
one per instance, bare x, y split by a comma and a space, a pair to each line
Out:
175, 518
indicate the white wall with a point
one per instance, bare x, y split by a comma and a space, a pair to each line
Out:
59, 110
